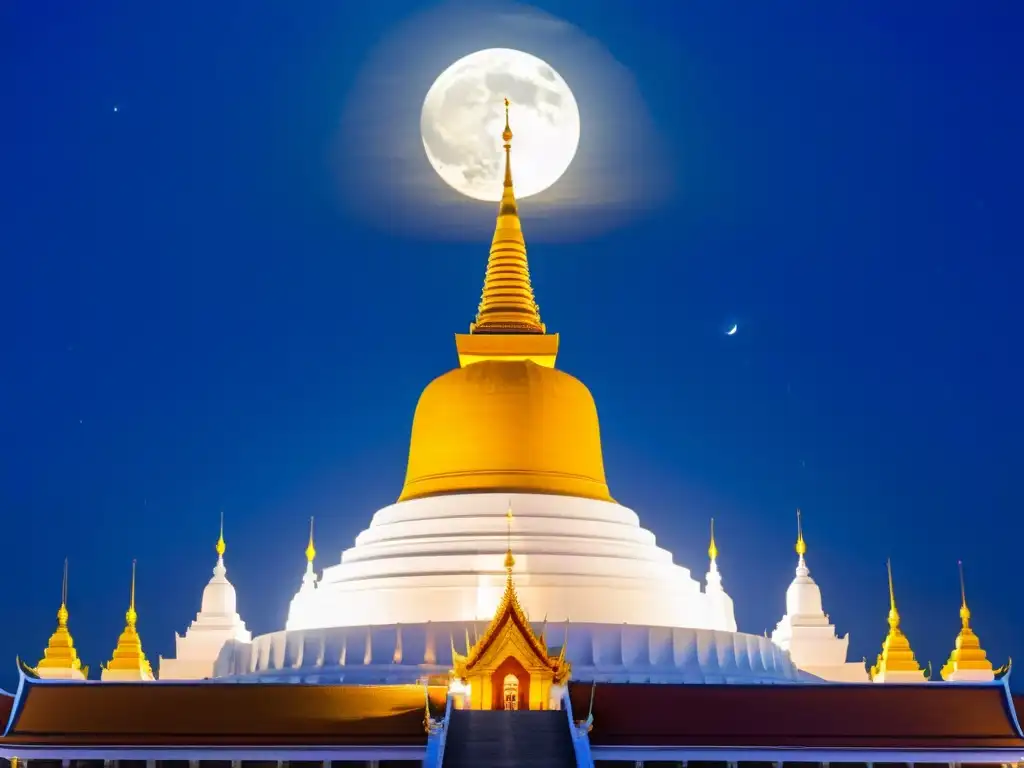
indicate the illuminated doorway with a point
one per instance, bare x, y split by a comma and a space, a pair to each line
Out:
511, 692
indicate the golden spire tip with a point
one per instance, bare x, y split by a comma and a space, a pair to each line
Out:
507, 133
131, 616
894, 616
801, 545
221, 545
510, 561
62, 612
310, 549
965, 612
713, 548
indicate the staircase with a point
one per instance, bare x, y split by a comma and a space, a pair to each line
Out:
508, 739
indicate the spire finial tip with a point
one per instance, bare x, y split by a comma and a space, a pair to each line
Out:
507, 133
801, 545
221, 546
310, 549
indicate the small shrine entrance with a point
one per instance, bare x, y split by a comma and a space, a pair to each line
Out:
510, 685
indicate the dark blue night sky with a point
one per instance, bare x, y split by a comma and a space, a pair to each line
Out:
194, 322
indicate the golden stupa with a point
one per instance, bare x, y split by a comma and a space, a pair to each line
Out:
506, 420
968, 659
60, 659
129, 662
896, 660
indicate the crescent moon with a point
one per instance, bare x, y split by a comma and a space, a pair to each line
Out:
732, 331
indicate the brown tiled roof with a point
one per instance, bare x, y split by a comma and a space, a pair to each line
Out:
220, 714
923, 716
6, 705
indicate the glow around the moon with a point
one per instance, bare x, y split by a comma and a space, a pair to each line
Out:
463, 117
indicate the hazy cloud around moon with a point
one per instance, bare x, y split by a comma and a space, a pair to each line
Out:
619, 169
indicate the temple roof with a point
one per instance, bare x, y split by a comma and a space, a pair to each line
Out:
911, 716
210, 714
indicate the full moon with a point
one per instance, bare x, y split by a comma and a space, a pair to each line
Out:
464, 114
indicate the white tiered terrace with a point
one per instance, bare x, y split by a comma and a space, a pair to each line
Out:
439, 559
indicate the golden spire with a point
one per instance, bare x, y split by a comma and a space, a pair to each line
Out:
310, 549
221, 546
128, 656
60, 651
801, 545
967, 655
510, 562
894, 616
713, 548
896, 654
507, 304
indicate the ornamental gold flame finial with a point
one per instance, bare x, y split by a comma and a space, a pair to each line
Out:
801, 545
510, 561
713, 548
894, 616
221, 546
62, 612
310, 549
130, 616
965, 612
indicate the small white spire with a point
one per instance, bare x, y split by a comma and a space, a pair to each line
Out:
216, 623
720, 612
713, 578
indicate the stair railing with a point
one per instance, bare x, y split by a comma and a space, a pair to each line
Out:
579, 734
438, 737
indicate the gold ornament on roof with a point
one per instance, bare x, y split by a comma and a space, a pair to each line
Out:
128, 654
967, 654
896, 654
60, 651
712, 547
510, 561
